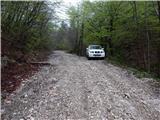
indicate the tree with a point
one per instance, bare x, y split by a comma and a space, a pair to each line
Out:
28, 24
129, 30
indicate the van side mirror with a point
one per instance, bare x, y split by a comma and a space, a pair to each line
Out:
86, 48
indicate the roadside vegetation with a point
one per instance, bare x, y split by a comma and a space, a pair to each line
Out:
27, 30
27, 26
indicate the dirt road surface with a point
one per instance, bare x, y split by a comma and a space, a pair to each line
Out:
74, 88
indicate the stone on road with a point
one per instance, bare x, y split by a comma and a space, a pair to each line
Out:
74, 88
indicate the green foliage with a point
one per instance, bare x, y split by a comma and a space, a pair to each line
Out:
130, 30
29, 24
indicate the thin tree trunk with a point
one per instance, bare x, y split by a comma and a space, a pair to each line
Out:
81, 39
148, 39
135, 18
158, 3
110, 39
157, 9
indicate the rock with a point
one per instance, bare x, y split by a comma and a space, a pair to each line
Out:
126, 95
30, 117
2, 111
12, 61
8, 101
4, 61
14, 113
25, 95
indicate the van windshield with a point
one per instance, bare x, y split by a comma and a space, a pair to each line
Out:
95, 47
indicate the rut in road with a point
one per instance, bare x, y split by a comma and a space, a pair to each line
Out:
78, 89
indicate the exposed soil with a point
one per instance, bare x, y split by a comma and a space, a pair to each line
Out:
74, 88
14, 73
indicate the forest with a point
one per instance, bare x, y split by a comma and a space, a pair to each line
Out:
128, 30
27, 26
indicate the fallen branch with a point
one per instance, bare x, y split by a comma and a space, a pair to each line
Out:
39, 63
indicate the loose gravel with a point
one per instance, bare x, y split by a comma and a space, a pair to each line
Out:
74, 88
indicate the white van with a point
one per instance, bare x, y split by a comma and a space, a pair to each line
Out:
95, 51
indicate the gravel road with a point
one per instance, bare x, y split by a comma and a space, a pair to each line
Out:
74, 88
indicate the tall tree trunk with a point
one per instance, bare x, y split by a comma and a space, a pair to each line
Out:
110, 39
135, 18
158, 3
148, 39
81, 39
157, 9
